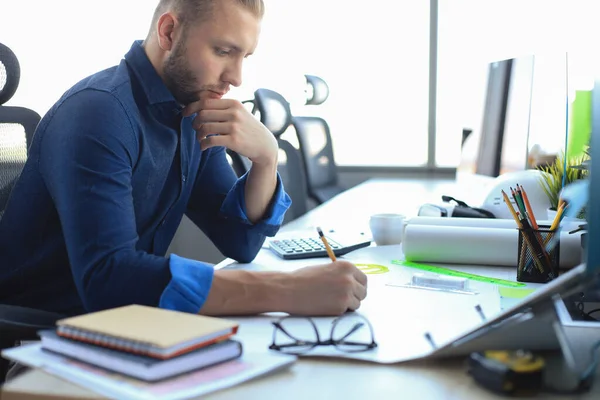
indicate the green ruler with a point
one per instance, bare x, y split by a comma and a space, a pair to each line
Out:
460, 274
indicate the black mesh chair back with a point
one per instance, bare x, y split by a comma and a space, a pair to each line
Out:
17, 126
275, 114
316, 146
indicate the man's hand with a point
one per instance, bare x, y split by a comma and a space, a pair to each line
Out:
231, 125
329, 289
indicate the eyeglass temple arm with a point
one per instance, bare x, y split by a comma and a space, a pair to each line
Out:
356, 327
289, 335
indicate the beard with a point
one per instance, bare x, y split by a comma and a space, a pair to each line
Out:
178, 78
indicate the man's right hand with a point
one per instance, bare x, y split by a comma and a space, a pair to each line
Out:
329, 289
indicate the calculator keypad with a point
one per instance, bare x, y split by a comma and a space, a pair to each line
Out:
302, 245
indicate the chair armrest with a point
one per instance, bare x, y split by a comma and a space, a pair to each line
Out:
22, 323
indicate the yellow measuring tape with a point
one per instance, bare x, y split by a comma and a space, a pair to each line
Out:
372, 269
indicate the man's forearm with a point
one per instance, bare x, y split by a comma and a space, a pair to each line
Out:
260, 187
246, 292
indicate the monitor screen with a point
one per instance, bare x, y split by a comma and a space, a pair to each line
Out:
494, 115
513, 153
500, 143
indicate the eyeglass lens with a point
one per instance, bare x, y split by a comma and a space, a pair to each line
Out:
297, 335
351, 333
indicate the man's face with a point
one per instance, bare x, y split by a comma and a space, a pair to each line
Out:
208, 57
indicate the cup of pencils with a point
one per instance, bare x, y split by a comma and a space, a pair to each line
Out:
536, 261
538, 248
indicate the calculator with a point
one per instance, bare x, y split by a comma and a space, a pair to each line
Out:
311, 247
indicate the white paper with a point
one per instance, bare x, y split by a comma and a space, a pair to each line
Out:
116, 386
400, 316
475, 245
481, 222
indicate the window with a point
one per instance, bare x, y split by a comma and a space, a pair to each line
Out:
373, 55
473, 33
375, 58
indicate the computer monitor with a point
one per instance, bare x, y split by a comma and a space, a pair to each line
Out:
514, 148
532, 324
494, 116
501, 143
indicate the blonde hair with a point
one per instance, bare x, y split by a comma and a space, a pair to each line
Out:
196, 11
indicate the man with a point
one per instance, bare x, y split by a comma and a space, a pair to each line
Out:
125, 153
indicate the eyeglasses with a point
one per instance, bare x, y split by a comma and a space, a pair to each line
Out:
350, 333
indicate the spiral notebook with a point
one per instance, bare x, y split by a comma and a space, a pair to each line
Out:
139, 366
149, 331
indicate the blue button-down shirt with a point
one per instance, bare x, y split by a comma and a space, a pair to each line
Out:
112, 169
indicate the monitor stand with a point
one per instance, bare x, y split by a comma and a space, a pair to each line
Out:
578, 339
545, 326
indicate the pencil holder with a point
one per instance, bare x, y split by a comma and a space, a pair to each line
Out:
536, 261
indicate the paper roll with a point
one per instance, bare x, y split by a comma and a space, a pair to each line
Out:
481, 222
475, 245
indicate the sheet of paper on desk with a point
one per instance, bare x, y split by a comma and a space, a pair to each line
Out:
400, 318
190, 385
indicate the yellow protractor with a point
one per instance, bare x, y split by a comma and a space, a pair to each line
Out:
372, 269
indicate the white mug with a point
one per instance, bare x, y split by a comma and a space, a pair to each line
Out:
387, 228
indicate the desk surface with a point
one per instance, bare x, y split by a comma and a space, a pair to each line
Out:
320, 378
354, 207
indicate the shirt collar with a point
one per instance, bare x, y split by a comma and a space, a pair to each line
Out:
152, 84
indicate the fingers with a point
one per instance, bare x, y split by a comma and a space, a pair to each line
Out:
205, 116
214, 141
208, 104
360, 291
357, 291
353, 304
217, 128
360, 276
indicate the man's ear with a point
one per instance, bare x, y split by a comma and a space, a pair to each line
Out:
165, 29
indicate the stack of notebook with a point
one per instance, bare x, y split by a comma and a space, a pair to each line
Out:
144, 342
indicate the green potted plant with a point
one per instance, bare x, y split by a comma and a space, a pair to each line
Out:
552, 180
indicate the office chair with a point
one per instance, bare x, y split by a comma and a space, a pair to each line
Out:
275, 114
316, 146
239, 163
17, 125
21, 323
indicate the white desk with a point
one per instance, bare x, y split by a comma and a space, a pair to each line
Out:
333, 379
354, 207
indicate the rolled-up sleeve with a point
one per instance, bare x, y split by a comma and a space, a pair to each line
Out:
189, 286
234, 206
217, 206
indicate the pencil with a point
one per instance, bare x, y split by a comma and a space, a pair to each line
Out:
537, 252
531, 216
536, 261
511, 209
327, 247
558, 217
528, 208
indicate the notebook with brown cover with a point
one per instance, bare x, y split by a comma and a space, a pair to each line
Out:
147, 330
